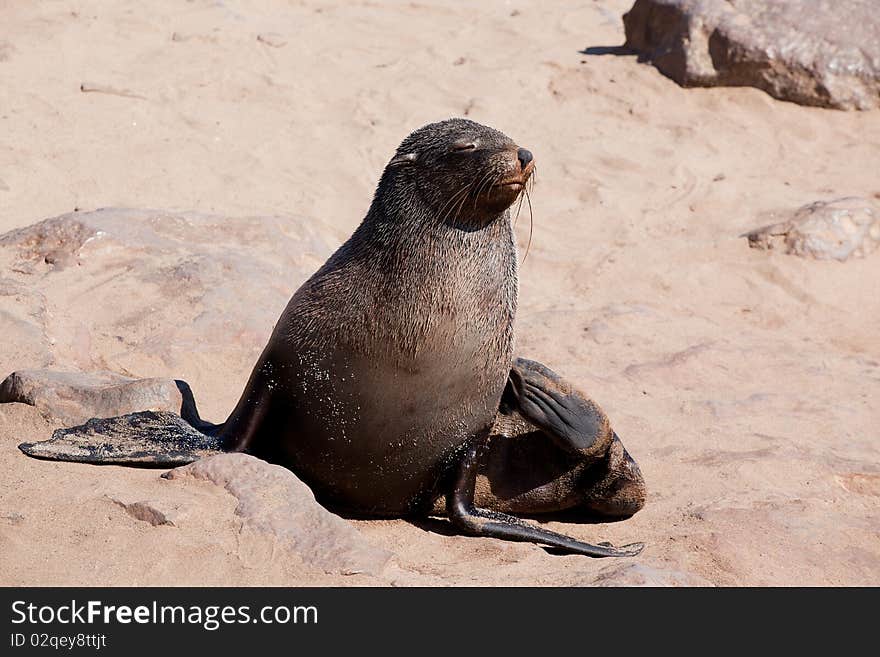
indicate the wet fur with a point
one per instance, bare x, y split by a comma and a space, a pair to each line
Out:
414, 316
396, 356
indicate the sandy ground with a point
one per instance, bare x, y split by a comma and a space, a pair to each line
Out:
745, 383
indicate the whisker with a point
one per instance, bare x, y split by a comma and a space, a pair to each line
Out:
518, 208
460, 206
450, 203
531, 226
463, 199
480, 188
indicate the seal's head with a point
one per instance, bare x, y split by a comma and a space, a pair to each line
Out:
465, 174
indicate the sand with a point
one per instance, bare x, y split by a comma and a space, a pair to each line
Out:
745, 383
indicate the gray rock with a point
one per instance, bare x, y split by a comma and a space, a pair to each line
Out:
71, 398
273, 501
837, 230
825, 54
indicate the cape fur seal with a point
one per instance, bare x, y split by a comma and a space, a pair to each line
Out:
389, 383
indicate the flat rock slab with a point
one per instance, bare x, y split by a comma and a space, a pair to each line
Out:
832, 230
151, 292
825, 54
73, 398
273, 501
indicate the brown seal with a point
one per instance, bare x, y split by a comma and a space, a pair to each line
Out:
384, 375
391, 369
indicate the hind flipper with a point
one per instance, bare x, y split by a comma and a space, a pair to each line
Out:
465, 515
148, 438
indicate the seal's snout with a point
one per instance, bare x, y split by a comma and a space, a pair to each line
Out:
525, 157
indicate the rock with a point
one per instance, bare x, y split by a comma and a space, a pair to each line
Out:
835, 230
273, 501
153, 512
55, 241
860, 483
150, 292
23, 318
635, 574
13, 518
823, 54
72, 398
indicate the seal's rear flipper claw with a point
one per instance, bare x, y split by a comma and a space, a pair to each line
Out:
149, 438
630, 550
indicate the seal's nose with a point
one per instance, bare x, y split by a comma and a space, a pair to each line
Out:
524, 157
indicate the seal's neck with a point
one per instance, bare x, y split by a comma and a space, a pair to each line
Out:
442, 289
462, 221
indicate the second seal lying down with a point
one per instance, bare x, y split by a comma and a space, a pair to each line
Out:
389, 384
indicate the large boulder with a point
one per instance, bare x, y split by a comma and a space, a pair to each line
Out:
148, 293
825, 54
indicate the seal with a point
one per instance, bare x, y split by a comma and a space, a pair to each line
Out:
389, 381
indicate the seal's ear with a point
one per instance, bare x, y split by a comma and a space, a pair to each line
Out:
403, 159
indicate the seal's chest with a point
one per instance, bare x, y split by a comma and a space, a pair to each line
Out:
460, 320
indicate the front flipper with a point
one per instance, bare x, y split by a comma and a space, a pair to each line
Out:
483, 522
549, 402
148, 438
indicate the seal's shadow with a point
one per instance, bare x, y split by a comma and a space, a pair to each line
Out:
442, 526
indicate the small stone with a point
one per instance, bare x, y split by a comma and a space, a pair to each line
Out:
833, 230
148, 511
13, 518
